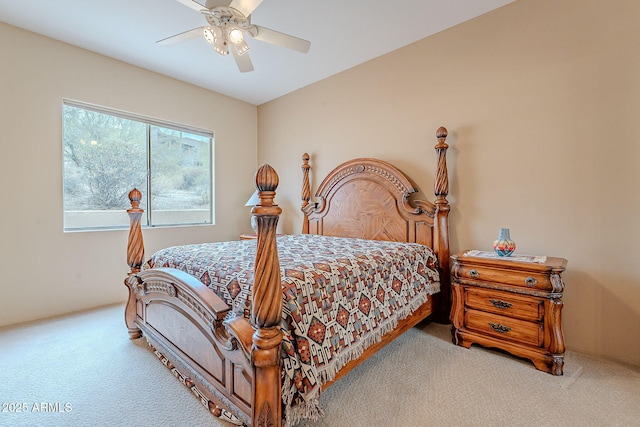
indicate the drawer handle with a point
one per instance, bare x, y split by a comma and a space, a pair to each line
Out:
530, 281
499, 328
474, 273
500, 304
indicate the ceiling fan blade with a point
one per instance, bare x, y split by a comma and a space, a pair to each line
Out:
192, 4
246, 7
242, 61
182, 37
280, 39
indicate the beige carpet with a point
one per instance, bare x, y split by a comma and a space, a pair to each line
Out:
82, 370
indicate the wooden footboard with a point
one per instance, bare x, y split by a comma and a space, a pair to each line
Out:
228, 364
183, 319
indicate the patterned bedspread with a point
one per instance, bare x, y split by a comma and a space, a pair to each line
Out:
340, 296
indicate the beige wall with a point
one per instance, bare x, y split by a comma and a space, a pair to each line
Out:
542, 101
47, 272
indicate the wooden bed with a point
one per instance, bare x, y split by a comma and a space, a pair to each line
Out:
234, 365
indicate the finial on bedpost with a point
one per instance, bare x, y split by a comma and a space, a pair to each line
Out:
441, 245
266, 306
442, 178
306, 192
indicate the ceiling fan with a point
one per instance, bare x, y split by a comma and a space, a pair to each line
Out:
229, 21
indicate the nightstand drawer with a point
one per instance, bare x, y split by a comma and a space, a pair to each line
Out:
505, 327
524, 279
505, 303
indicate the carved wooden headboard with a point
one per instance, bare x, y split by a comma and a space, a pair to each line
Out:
369, 198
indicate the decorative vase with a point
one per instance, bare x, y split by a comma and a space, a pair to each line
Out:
504, 246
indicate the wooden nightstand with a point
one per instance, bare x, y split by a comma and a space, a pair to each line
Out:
510, 304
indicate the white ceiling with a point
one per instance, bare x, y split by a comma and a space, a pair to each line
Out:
343, 34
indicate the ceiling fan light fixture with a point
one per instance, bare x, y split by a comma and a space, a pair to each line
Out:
220, 46
208, 35
236, 36
215, 36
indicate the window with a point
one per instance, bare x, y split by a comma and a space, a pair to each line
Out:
107, 153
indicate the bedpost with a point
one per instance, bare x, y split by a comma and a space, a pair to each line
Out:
306, 192
135, 258
441, 189
266, 303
